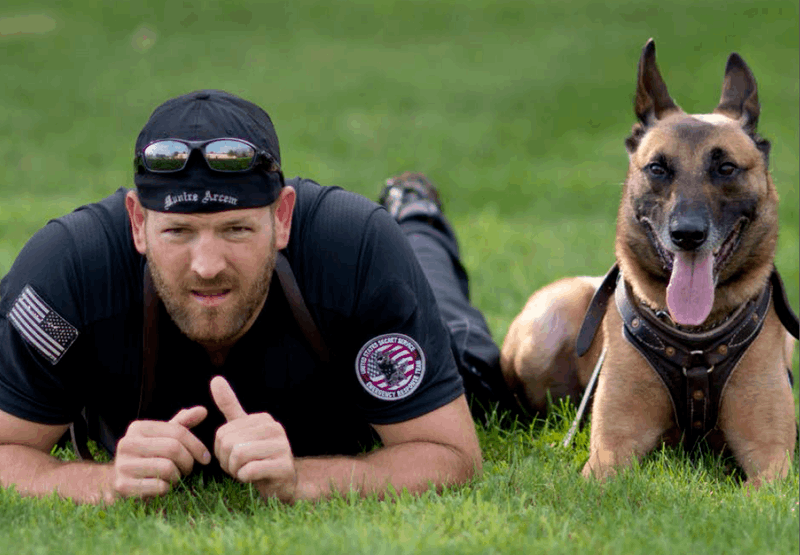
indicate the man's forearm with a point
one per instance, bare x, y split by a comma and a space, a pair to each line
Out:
414, 466
34, 473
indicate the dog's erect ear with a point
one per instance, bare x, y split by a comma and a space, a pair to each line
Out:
739, 98
652, 99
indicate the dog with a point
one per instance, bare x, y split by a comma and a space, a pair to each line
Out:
691, 322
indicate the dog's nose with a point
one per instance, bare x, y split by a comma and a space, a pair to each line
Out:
688, 233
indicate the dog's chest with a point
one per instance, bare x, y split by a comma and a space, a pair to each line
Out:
693, 367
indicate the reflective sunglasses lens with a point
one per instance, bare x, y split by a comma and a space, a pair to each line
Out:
229, 155
166, 156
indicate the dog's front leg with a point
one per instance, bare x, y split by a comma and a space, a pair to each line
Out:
757, 408
761, 436
631, 409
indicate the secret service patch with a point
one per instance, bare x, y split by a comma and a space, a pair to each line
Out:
390, 366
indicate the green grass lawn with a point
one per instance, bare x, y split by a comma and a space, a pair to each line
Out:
518, 110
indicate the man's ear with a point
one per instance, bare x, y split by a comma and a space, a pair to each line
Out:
136, 216
283, 216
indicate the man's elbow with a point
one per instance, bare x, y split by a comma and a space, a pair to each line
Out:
468, 463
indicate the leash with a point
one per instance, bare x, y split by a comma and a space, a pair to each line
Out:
584, 400
785, 313
591, 321
596, 311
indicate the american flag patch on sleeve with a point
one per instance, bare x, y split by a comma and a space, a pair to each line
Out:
40, 326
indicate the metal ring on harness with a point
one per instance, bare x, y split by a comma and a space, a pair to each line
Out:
708, 370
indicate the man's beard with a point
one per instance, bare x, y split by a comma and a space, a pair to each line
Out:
213, 326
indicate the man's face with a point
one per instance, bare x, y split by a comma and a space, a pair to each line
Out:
212, 271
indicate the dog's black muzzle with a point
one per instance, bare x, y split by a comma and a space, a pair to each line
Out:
689, 225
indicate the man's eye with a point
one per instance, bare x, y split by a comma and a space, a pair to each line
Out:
239, 230
176, 231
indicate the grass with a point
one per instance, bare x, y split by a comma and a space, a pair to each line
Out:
529, 499
518, 110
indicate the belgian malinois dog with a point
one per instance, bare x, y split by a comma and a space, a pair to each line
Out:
692, 321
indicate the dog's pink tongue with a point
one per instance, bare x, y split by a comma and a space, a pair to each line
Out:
690, 292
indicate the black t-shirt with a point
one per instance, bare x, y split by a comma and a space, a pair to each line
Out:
71, 330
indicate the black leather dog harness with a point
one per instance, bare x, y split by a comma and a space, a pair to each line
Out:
694, 367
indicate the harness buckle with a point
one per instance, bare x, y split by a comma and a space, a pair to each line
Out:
708, 370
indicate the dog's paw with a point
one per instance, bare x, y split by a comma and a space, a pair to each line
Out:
596, 471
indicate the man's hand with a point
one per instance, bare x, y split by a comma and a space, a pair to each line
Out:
153, 455
253, 447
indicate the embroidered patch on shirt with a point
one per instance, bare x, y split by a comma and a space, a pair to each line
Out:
40, 326
390, 366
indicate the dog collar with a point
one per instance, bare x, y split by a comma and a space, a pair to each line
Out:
597, 309
706, 348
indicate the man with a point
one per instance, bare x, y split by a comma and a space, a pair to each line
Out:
153, 315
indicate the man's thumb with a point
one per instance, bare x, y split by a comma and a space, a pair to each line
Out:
226, 399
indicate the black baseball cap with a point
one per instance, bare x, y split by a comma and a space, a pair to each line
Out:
204, 115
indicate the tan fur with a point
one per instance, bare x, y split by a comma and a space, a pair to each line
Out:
538, 354
632, 411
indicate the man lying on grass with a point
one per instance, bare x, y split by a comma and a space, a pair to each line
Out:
153, 317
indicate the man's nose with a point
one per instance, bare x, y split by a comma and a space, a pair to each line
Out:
208, 258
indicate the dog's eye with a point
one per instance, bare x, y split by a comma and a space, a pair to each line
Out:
656, 170
727, 169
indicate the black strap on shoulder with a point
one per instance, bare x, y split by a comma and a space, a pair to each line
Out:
299, 309
150, 324
78, 429
79, 436
781, 303
149, 343
596, 311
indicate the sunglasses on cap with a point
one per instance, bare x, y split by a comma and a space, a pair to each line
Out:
222, 155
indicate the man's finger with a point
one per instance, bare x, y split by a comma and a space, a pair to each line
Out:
189, 418
141, 487
226, 399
